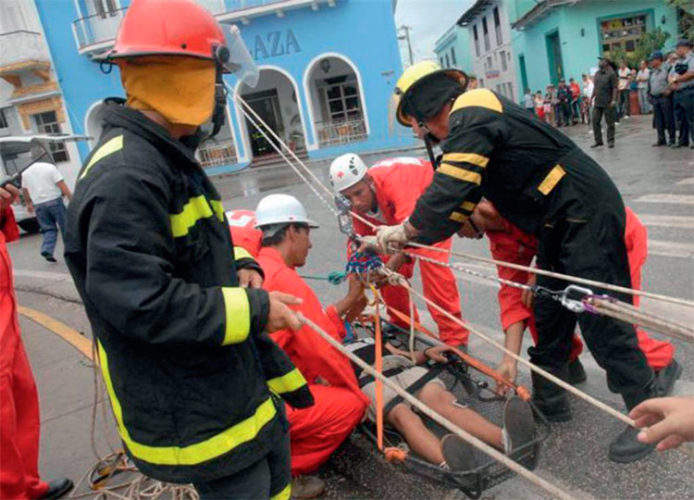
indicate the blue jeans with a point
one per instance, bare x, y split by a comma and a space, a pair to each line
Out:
50, 214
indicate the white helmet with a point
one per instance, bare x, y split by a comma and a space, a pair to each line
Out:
280, 209
346, 171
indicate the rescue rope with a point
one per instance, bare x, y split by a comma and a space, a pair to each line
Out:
441, 420
590, 303
564, 385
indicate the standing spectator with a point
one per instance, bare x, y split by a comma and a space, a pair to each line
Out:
563, 108
19, 412
549, 107
642, 85
624, 74
529, 102
605, 93
44, 188
575, 100
539, 105
586, 99
681, 79
661, 97
472, 82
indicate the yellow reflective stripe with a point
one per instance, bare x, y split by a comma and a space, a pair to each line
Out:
483, 98
287, 383
285, 494
109, 147
458, 217
468, 205
241, 253
474, 158
193, 454
551, 180
238, 315
460, 173
196, 209
218, 209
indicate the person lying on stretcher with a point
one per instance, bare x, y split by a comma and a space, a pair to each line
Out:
450, 452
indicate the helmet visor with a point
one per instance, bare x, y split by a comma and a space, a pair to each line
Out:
238, 60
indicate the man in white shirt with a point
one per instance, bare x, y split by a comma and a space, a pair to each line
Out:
624, 74
44, 187
642, 79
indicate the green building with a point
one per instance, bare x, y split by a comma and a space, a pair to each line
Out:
555, 39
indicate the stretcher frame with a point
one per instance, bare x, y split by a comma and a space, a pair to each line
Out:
489, 473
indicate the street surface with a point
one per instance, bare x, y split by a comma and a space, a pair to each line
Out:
657, 183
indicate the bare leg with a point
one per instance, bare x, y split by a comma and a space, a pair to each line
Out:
419, 438
441, 401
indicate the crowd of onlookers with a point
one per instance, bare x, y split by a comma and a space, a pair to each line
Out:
663, 86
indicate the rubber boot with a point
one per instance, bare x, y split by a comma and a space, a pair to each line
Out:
551, 399
626, 448
577, 374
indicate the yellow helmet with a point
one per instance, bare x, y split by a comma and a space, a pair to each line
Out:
414, 76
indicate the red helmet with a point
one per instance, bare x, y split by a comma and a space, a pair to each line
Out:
169, 27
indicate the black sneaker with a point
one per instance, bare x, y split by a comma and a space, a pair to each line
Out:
658, 144
666, 378
458, 453
519, 424
57, 488
610, 145
577, 374
597, 145
48, 257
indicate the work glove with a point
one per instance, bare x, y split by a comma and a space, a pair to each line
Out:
391, 239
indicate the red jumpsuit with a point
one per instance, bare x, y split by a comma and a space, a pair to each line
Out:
515, 246
398, 184
243, 231
317, 431
19, 408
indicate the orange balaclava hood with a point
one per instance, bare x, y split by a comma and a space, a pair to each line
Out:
180, 88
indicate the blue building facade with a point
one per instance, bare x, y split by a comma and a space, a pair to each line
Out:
556, 39
327, 69
452, 49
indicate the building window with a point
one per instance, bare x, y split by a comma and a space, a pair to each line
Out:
105, 8
500, 89
453, 61
477, 40
502, 56
47, 123
343, 102
485, 32
622, 33
482, 82
441, 62
489, 62
3, 119
448, 63
509, 91
497, 26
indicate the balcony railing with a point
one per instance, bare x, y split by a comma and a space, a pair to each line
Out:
98, 31
217, 153
335, 133
19, 46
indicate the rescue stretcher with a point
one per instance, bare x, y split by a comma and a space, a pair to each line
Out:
474, 390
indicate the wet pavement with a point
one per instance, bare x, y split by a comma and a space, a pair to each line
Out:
657, 183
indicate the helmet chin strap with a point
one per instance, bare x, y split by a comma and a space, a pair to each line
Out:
429, 141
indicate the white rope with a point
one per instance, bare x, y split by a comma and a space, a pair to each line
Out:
438, 418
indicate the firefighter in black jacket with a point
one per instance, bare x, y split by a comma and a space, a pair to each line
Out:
543, 183
191, 373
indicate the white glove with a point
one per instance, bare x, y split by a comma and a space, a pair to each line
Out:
391, 239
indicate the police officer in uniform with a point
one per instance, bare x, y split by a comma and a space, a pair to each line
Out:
543, 183
681, 79
661, 97
190, 370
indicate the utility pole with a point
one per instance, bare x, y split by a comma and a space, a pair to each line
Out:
406, 36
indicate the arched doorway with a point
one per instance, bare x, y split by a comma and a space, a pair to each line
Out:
276, 101
336, 101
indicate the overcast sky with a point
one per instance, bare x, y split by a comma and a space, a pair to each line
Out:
429, 19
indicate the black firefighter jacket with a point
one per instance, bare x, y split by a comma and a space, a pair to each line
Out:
187, 365
532, 172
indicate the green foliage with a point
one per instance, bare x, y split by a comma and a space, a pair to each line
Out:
651, 41
685, 17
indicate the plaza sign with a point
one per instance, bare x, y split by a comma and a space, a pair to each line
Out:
275, 44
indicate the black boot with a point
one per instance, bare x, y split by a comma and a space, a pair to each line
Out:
667, 377
577, 374
626, 448
57, 488
551, 399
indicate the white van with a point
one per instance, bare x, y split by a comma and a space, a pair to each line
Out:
17, 153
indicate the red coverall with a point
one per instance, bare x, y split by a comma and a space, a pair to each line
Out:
515, 246
243, 231
317, 431
19, 402
398, 184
